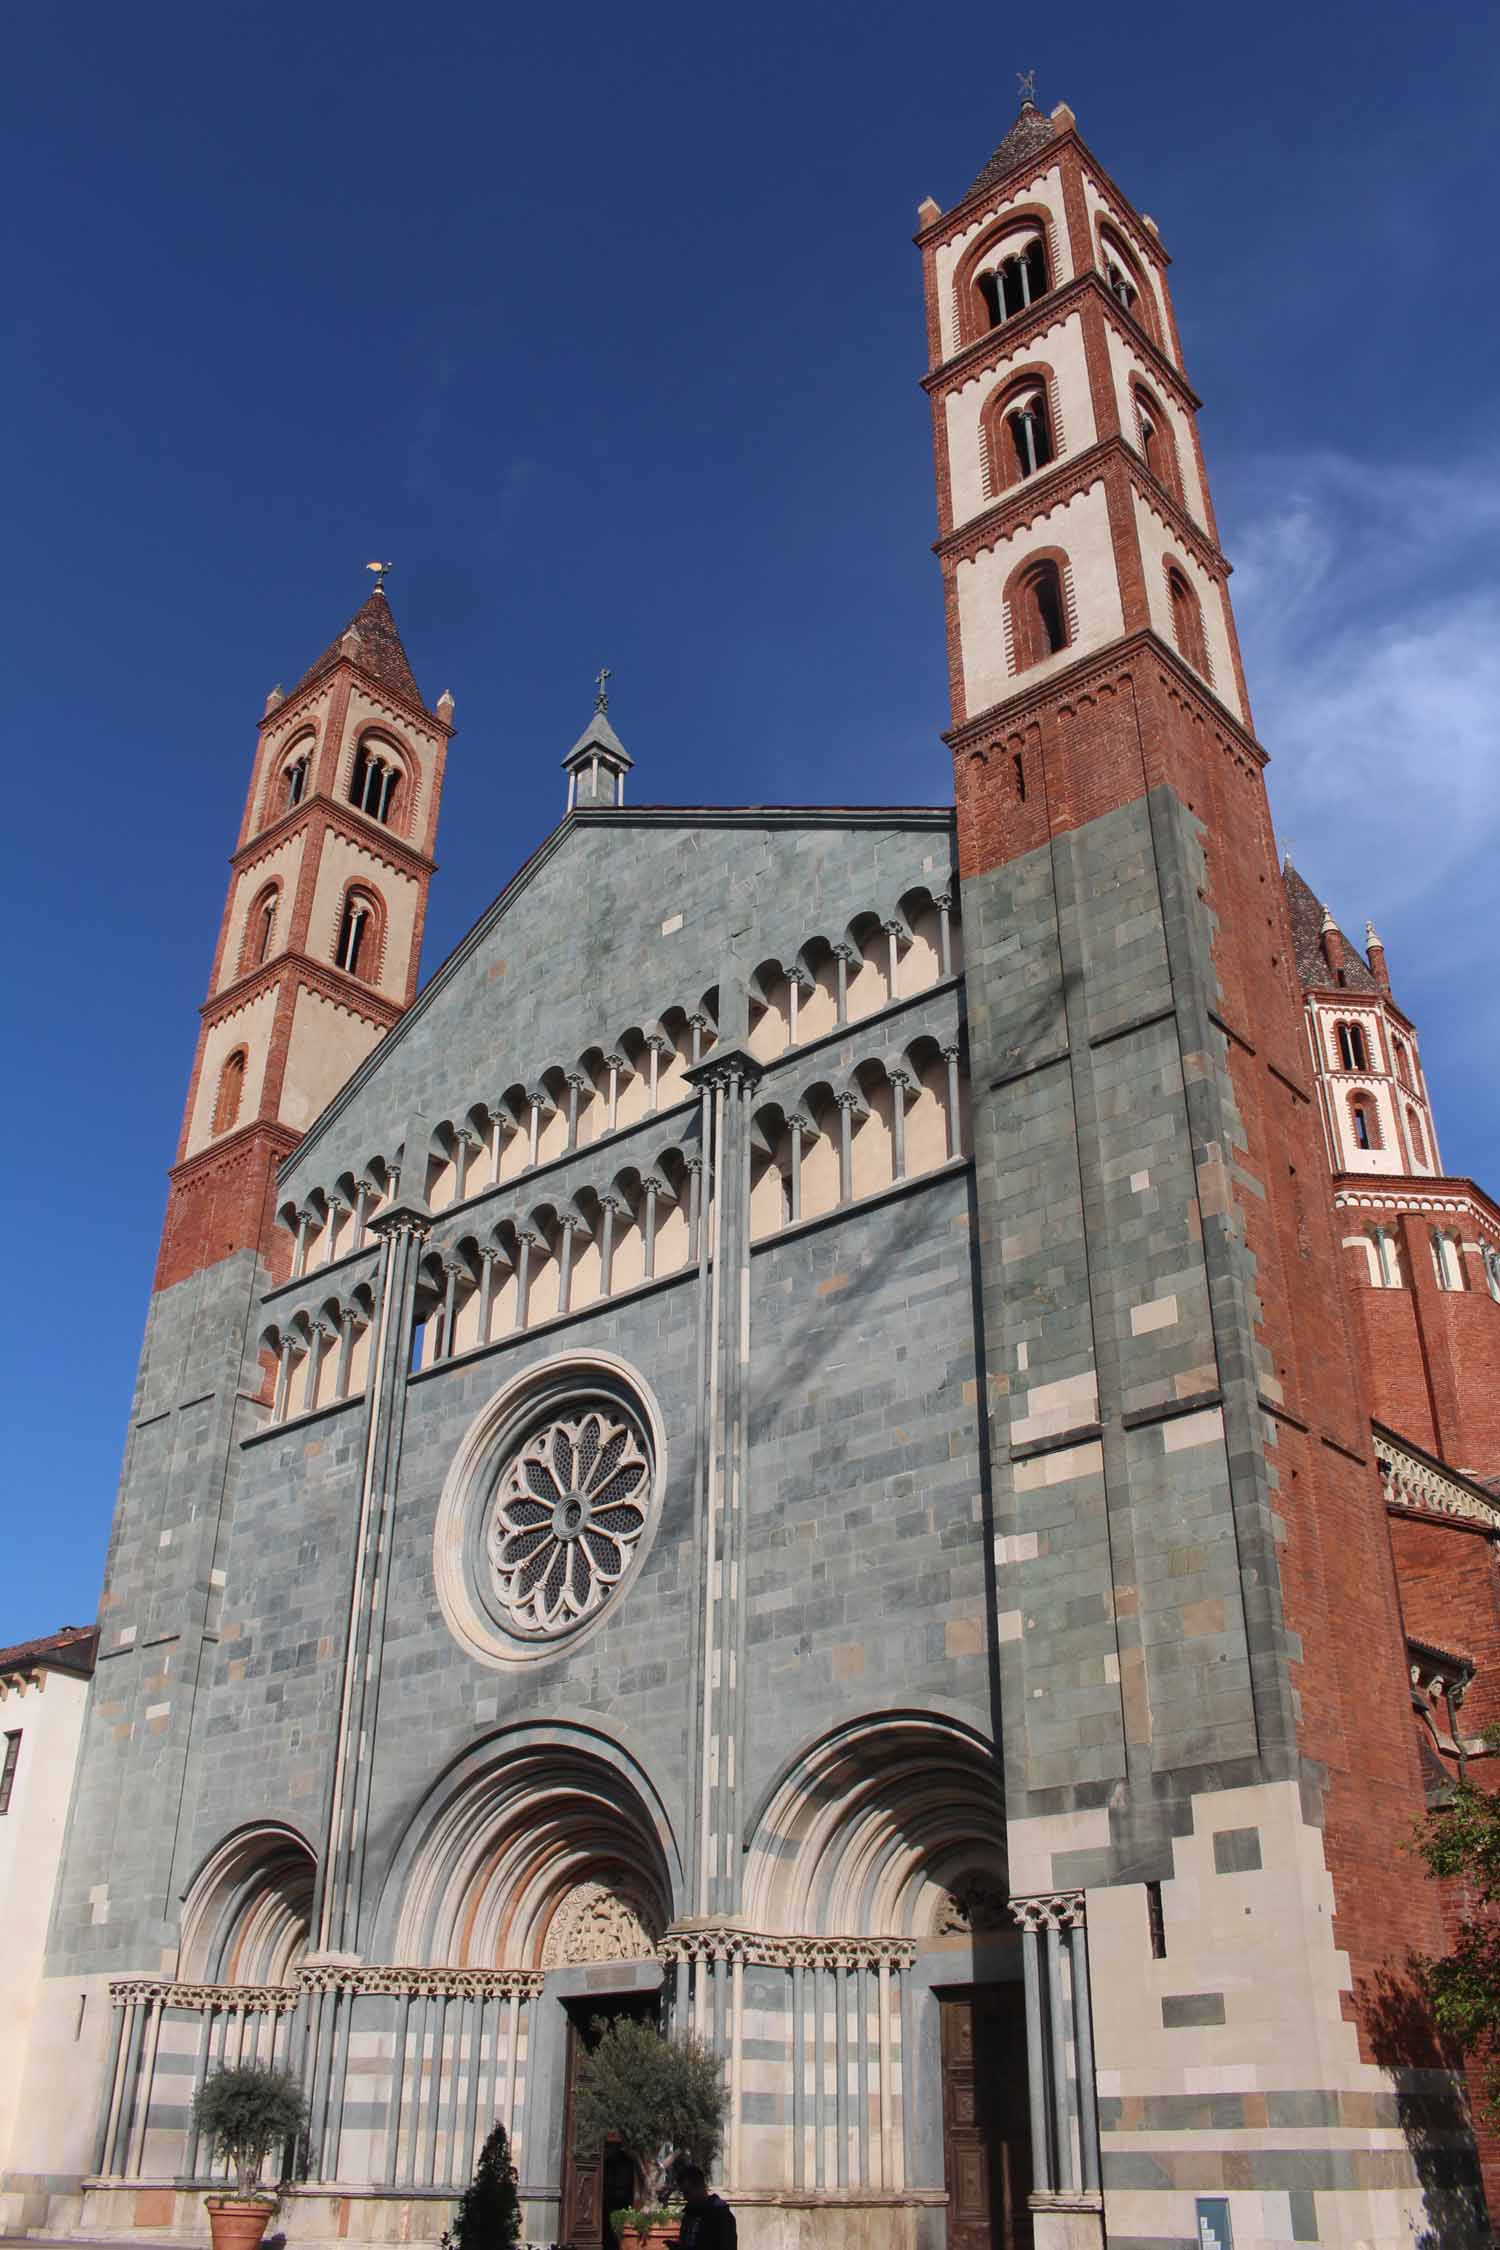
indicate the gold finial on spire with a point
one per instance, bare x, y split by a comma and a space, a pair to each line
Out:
379, 569
601, 683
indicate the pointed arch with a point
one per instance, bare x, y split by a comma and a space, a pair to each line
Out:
868, 1827
511, 1834
247, 1912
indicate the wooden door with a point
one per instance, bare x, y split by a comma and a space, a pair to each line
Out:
583, 2220
590, 2191
986, 2128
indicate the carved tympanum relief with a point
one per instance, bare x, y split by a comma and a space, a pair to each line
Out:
609, 1920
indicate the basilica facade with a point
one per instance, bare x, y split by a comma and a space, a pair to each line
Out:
870, 1431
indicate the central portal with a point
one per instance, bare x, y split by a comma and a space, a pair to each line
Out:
592, 2189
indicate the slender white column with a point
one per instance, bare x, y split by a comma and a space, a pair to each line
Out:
945, 935
566, 1227
900, 1087
893, 942
846, 1147
487, 1260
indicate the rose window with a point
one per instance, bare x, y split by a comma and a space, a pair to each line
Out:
569, 1509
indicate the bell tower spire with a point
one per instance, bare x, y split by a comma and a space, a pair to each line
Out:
318, 948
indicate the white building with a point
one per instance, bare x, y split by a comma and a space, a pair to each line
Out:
43, 1689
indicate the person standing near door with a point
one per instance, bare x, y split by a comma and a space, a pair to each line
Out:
707, 2221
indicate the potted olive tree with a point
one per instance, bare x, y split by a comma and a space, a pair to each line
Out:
658, 2099
244, 2114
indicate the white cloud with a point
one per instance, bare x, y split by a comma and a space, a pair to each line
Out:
1368, 601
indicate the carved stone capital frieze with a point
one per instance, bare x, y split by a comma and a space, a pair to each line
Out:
1049, 1910
273, 1999
708, 1943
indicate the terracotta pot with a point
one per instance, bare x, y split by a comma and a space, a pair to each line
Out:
659, 2238
236, 2224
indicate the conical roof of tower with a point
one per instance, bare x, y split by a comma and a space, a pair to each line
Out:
1309, 915
380, 652
1030, 133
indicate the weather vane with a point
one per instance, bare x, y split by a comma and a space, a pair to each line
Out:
601, 682
379, 569
1026, 80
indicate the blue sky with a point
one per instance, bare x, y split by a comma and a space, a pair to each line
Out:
606, 325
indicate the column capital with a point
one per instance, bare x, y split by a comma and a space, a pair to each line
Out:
1049, 1910
727, 1067
401, 1222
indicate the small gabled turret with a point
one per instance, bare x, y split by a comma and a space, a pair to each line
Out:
598, 762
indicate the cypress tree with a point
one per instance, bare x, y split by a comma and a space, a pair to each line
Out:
489, 2212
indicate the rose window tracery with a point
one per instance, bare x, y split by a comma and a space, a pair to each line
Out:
569, 1509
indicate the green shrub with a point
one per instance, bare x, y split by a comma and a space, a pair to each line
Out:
657, 2097
489, 2212
244, 2113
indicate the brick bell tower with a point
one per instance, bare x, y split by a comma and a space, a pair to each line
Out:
318, 949
1202, 1674
316, 958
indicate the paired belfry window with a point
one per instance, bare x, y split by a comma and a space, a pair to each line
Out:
1015, 283
358, 948
1030, 433
1125, 282
1121, 287
1354, 1052
352, 934
294, 783
374, 784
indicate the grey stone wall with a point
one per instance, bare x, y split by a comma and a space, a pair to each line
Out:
1118, 1319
